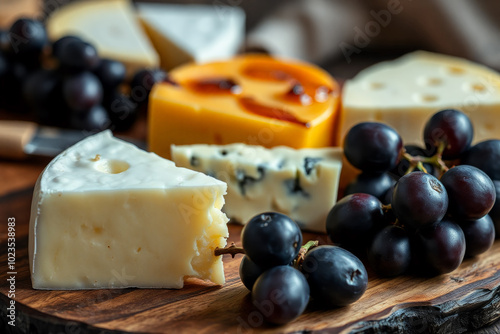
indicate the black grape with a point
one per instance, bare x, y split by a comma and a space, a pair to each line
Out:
373, 147
485, 156
453, 128
27, 39
419, 199
479, 235
60, 44
77, 55
249, 272
82, 91
111, 73
142, 83
281, 294
470, 191
442, 245
390, 252
95, 119
39, 88
336, 277
271, 239
121, 110
353, 220
376, 184
4, 66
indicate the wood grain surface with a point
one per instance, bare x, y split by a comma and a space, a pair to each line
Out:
465, 300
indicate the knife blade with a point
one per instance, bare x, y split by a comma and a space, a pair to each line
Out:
20, 139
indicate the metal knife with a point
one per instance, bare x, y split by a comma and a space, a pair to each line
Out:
20, 139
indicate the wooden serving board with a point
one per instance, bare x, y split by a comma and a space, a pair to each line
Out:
465, 300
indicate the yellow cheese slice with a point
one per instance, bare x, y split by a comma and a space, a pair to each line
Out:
252, 99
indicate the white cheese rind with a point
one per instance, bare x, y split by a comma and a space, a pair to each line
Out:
108, 215
404, 93
276, 179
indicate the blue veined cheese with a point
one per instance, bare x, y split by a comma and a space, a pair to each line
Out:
301, 183
106, 214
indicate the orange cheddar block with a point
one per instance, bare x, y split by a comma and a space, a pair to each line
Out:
252, 99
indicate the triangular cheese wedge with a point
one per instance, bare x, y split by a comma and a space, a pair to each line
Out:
111, 26
300, 183
108, 215
404, 93
184, 33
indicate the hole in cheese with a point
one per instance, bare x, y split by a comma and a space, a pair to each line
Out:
429, 81
111, 166
456, 70
425, 98
376, 85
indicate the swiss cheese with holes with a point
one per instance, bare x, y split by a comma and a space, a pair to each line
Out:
404, 93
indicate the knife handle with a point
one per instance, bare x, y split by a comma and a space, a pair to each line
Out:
14, 135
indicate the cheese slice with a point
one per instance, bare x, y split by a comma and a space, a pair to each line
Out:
201, 33
108, 215
299, 183
251, 99
111, 26
404, 93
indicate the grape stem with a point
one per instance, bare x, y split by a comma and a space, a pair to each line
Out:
231, 249
303, 251
417, 162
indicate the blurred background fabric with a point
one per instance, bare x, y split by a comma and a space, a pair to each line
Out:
347, 35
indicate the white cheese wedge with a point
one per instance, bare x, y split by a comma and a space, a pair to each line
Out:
404, 93
111, 26
184, 33
300, 183
108, 215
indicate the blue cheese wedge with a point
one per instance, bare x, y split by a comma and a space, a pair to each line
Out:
300, 183
106, 214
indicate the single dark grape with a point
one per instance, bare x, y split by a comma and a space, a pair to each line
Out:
485, 156
111, 73
121, 110
142, 83
453, 128
336, 276
376, 184
419, 199
353, 220
60, 44
95, 119
390, 252
442, 245
373, 147
39, 88
77, 55
479, 235
404, 164
495, 210
27, 39
249, 272
470, 191
82, 91
281, 294
271, 239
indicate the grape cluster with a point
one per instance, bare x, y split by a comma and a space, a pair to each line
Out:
66, 83
283, 276
440, 206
